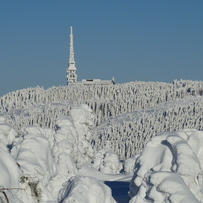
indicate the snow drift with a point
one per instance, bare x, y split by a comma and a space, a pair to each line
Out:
170, 169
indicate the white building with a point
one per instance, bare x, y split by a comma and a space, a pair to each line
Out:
71, 70
96, 82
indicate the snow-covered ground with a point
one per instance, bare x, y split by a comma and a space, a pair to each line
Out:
46, 165
66, 159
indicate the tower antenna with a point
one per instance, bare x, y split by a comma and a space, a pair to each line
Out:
71, 70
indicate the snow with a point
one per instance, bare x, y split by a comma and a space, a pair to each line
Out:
47, 166
138, 127
89, 170
62, 160
107, 161
129, 164
85, 189
152, 107
44, 165
170, 169
9, 169
7, 133
34, 156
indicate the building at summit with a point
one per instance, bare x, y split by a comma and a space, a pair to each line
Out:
71, 70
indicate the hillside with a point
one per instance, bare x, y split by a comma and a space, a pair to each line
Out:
129, 132
127, 114
60, 144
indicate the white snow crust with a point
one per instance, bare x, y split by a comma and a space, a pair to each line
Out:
170, 169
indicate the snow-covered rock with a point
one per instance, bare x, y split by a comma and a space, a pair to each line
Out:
170, 169
85, 189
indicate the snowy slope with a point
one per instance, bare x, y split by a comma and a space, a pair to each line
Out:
38, 106
132, 130
152, 107
52, 151
49, 166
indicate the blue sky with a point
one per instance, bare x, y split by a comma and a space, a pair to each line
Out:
143, 40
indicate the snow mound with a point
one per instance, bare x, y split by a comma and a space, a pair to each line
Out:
72, 147
129, 164
9, 178
107, 161
170, 169
7, 133
85, 189
34, 157
45, 165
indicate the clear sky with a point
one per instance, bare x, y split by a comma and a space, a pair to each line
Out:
143, 40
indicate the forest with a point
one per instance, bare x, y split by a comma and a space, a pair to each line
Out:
126, 115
